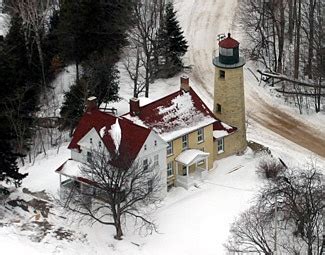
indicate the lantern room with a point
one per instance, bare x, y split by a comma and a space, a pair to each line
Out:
228, 54
229, 51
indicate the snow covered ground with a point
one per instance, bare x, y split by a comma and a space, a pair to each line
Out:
196, 221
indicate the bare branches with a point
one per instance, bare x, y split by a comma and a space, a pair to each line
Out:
115, 189
297, 197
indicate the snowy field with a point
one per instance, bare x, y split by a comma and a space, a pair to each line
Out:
194, 221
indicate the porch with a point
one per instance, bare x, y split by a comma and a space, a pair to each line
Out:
187, 160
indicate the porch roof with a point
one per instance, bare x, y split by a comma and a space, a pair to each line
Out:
191, 156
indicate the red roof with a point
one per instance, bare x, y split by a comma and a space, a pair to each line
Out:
165, 115
132, 135
229, 43
221, 126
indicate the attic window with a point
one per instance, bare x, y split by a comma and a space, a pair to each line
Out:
222, 74
91, 140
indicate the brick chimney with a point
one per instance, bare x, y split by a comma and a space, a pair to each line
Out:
185, 83
91, 104
134, 106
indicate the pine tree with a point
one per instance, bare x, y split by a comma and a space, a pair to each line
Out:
171, 43
9, 170
73, 106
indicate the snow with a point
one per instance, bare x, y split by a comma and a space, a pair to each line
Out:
189, 157
144, 101
102, 131
72, 168
190, 222
116, 134
219, 133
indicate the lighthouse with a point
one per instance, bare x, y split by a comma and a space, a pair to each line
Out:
229, 96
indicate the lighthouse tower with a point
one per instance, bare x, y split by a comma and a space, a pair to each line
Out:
229, 98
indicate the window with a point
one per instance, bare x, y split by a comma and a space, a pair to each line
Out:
170, 170
200, 135
221, 146
99, 144
222, 74
145, 164
89, 157
156, 160
150, 185
185, 142
90, 140
226, 52
169, 148
218, 108
145, 147
155, 142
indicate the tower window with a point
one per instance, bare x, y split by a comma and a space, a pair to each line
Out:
218, 108
222, 74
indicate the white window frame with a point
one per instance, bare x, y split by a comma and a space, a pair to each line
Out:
156, 160
185, 142
221, 145
200, 135
170, 149
170, 169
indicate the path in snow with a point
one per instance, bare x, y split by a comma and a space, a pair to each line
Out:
202, 20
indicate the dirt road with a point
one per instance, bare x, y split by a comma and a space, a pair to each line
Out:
202, 20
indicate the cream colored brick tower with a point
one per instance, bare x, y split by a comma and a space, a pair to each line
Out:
229, 98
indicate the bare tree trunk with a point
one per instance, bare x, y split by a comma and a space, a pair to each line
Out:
312, 5
291, 21
297, 46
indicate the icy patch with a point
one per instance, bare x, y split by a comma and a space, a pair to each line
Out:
116, 134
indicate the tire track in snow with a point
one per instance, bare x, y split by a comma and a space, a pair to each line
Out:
203, 22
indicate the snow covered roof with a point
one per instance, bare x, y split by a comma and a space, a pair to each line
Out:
175, 115
221, 129
191, 156
121, 137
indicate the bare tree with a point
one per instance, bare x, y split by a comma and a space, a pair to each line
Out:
251, 233
34, 14
287, 216
299, 194
118, 187
143, 40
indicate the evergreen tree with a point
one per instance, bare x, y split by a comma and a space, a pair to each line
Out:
102, 78
19, 89
9, 170
171, 44
73, 105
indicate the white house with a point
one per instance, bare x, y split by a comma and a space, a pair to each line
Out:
101, 130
